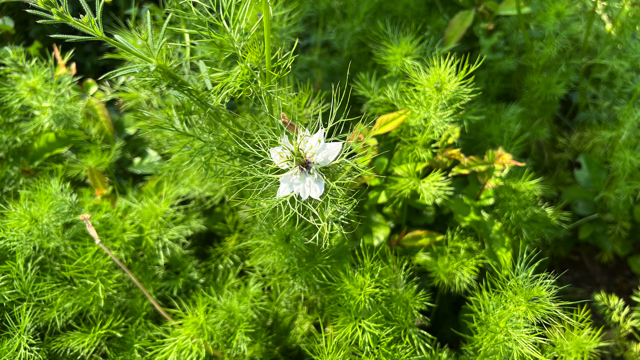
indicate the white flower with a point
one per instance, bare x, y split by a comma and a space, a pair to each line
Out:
304, 157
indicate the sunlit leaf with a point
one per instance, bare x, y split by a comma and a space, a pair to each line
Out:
458, 26
508, 7
500, 157
49, 143
496, 160
421, 238
379, 229
389, 122
380, 164
472, 164
95, 110
491, 5
90, 86
34, 49
97, 180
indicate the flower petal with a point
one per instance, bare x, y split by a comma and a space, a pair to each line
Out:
287, 144
300, 185
315, 183
311, 144
327, 153
281, 156
286, 184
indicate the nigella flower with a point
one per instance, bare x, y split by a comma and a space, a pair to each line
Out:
304, 157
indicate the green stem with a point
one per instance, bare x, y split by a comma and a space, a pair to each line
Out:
94, 234
164, 69
178, 80
522, 29
187, 42
435, 304
592, 16
266, 18
582, 221
582, 92
614, 20
631, 102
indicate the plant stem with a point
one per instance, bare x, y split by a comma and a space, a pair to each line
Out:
435, 304
484, 186
187, 41
165, 70
631, 102
582, 221
94, 235
522, 29
266, 18
582, 91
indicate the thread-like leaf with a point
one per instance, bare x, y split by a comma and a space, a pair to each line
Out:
86, 8
43, 14
124, 71
74, 38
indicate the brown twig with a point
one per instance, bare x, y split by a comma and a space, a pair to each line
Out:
94, 235
290, 125
62, 64
393, 243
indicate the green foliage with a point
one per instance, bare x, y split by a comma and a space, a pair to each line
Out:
376, 310
517, 315
455, 264
624, 323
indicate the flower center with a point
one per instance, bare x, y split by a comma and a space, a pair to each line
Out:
301, 161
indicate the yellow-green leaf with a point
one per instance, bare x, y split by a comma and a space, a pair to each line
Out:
49, 143
421, 238
7, 24
491, 5
97, 180
90, 86
458, 26
471, 164
388, 122
97, 111
508, 7
378, 229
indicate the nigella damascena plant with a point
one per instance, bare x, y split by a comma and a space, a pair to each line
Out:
303, 158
